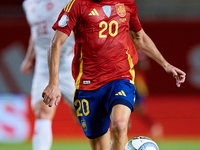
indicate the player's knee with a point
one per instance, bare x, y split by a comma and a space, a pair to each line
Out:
44, 112
43, 115
119, 128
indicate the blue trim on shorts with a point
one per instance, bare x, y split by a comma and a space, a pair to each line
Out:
123, 102
98, 135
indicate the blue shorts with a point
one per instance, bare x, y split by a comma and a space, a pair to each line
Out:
138, 98
93, 108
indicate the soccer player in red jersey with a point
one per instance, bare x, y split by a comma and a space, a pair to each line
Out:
103, 66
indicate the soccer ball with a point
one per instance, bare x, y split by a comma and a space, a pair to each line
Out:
141, 143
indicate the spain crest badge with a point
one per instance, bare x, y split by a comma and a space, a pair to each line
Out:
121, 11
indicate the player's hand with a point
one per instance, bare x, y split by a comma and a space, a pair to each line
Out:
27, 67
51, 95
178, 74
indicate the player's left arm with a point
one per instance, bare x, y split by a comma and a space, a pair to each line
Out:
149, 48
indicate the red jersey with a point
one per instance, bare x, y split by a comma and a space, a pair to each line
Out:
103, 49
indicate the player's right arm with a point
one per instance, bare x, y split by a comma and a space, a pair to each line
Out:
27, 65
52, 94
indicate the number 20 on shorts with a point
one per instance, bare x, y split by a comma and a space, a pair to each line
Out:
84, 105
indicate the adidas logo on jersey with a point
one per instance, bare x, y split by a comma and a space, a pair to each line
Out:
121, 93
94, 13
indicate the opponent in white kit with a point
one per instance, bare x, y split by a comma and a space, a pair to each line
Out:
41, 15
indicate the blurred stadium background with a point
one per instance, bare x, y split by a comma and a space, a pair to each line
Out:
174, 25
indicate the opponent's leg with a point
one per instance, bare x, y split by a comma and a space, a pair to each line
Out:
42, 138
119, 117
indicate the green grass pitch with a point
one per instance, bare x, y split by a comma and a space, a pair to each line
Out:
163, 145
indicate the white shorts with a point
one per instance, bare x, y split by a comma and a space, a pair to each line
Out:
41, 79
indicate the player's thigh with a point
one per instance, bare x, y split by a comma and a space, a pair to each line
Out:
120, 115
40, 81
67, 86
122, 98
91, 112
